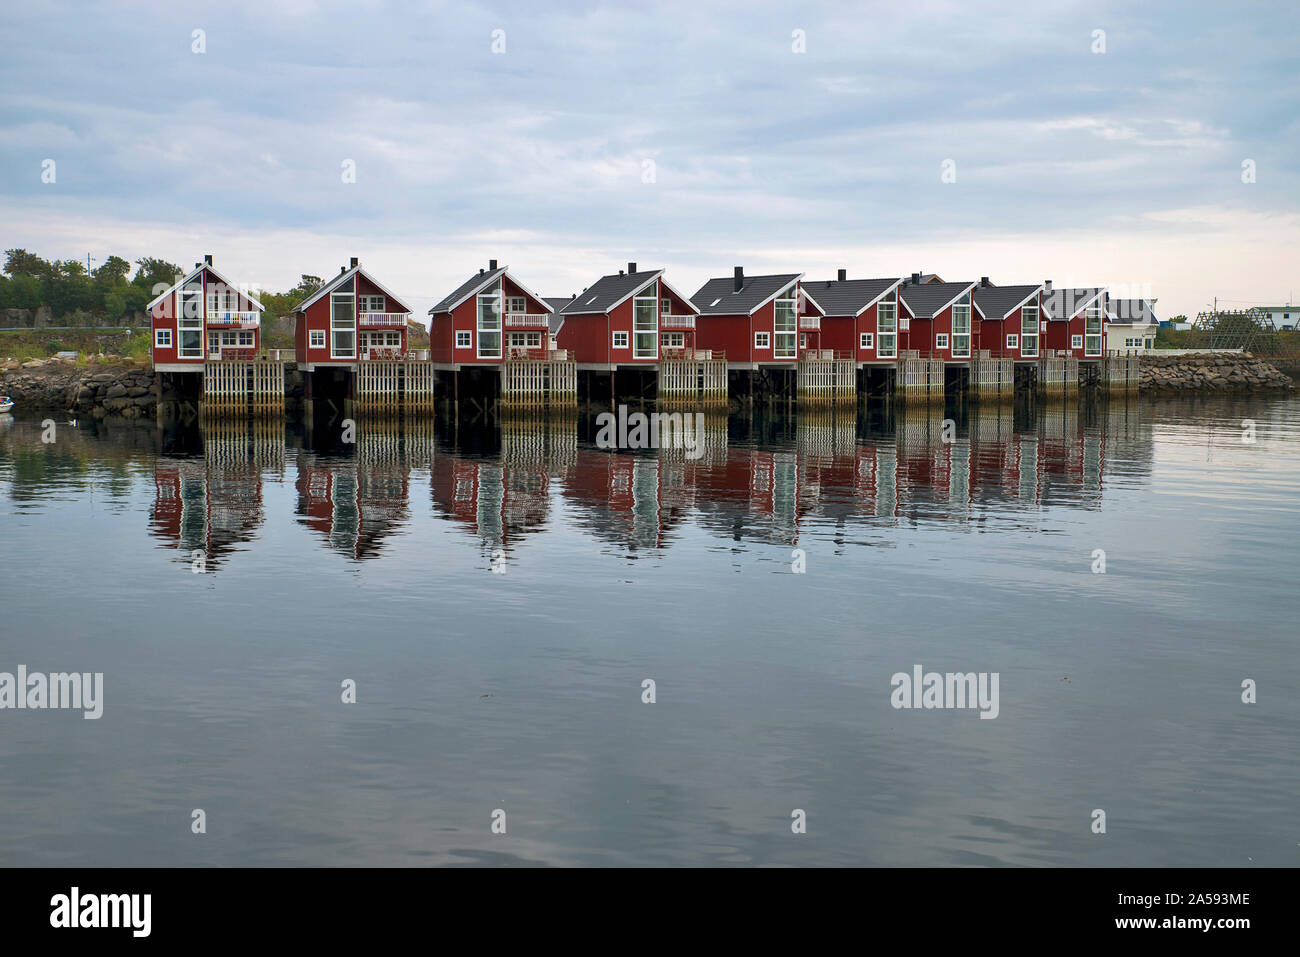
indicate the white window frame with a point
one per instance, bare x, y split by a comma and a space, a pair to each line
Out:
1013, 340
367, 303
1029, 317
940, 340
961, 319
1076, 342
316, 339
464, 338
641, 332
762, 340
492, 323
785, 342
866, 340
672, 340
162, 338
516, 304
621, 340
337, 326
888, 332
1093, 314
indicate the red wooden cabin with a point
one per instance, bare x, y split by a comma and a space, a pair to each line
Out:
490, 317
1010, 320
203, 318
1075, 320
349, 319
632, 318
937, 318
861, 316
757, 319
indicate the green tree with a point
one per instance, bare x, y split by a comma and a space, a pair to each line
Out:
19, 262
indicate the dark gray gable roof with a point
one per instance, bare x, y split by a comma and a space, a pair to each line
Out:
1131, 310
478, 280
754, 291
849, 297
1068, 303
607, 292
996, 301
555, 320
925, 300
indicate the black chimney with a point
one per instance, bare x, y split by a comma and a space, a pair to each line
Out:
984, 281
620, 272
353, 264
916, 279
740, 277
631, 268
207, 258
492, 265
843, 275
1047, 285
480, 271
342, 270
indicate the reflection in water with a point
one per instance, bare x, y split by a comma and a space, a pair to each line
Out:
960, 545
756, 479
209, 505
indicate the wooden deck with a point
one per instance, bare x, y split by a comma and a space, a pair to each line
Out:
539, 382
825, 375
239, 387
693, 374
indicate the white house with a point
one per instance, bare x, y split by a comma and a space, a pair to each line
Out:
1130, 325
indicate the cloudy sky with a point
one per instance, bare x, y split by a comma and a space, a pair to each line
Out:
688, 135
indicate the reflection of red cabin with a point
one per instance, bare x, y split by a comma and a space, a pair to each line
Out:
939, 317
852, 307
205, 508
494, 501
1075, 321
634, 317
757, 319
489, 318
351, 318
1011, 320
203, 318
353, 506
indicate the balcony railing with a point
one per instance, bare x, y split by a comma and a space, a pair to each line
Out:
668, 352
527, 320
231, 353
810, 322
676, 322
384, 318
536, 352
904, 323
227, 317
825, 354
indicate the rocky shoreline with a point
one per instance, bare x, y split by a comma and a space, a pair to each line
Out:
97, 390
1203, 372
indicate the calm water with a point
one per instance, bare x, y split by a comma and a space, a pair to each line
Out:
227, 583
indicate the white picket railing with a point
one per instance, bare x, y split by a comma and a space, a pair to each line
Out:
677, 322
228, 317
525, 319
384, 318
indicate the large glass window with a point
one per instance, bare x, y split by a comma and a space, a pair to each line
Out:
489, 322
1029, 331
1092, 331
887, 326
785, 324
189, 323
343, 322
961, 327
645, 320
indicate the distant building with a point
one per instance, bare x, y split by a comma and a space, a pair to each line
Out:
1131, 325
1284, 318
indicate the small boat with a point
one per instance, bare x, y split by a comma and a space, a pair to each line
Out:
6, 404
